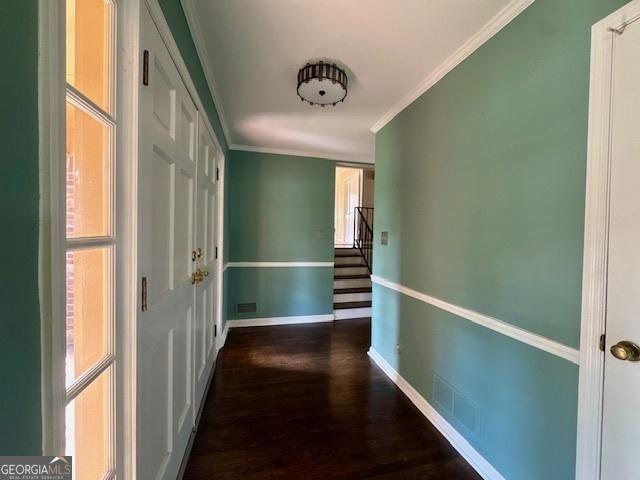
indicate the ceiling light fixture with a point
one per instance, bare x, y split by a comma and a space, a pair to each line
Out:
322, 84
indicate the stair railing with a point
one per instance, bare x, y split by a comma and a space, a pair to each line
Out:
363, 234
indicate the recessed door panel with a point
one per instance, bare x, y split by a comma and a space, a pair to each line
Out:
182, 360
163, 97
211, 236
183, 226
161, 224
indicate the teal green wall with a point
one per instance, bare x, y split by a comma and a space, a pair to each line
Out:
282, 291
480, 183
282, 211
523, 399
177, 21
282, 208
20, 420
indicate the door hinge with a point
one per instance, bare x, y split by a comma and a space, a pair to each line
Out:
145, 67
144, 294
603, 339
217, 174
216, 252
215, 330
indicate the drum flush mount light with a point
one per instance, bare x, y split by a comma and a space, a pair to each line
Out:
322, 84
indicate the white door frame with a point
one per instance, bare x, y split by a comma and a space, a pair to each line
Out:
51, 106
52, 245
596, 235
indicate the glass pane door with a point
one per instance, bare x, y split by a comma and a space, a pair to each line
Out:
90, 246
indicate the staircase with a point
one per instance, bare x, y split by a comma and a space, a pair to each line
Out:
351, 285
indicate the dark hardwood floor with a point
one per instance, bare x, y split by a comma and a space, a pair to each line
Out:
305, 402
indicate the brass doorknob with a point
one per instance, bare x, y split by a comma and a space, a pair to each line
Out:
197, 277
625, 350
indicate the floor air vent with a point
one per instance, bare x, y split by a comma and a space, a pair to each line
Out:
465, 412
246, 308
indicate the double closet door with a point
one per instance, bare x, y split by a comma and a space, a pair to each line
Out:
177, 259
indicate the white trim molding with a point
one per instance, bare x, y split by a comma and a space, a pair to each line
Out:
504, 328
596, 239
225, 334
497, 23
167, 36
470, 454
367, 161
264, 322
278, 264
51, 262
196, 34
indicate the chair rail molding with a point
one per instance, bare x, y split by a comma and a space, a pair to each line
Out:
517, 333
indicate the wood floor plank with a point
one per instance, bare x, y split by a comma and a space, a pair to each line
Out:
305, 402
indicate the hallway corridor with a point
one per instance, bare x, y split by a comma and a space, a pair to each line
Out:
305, 402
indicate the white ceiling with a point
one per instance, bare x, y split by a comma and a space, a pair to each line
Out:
392, 50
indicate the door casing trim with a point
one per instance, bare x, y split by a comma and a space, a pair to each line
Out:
596, 235
52, 242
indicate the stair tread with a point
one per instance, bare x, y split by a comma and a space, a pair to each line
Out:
338, 291
342, 305
349, 277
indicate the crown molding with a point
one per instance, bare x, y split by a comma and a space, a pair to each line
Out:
198, 40
497, 23
302, 153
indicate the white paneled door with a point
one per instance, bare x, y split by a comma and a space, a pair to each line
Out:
621, 421
176, 260
206, 257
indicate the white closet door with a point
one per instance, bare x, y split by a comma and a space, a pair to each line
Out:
206, 239
167, 170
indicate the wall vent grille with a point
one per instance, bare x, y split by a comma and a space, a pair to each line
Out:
456, 406
246, 308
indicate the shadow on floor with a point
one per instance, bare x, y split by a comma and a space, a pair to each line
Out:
305, 402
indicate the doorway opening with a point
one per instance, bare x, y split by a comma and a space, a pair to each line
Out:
353, 190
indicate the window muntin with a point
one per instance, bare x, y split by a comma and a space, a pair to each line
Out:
88, 174
88, 314
89, 430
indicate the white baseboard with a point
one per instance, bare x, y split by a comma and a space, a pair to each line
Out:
477, 461
263, 322
225, 332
